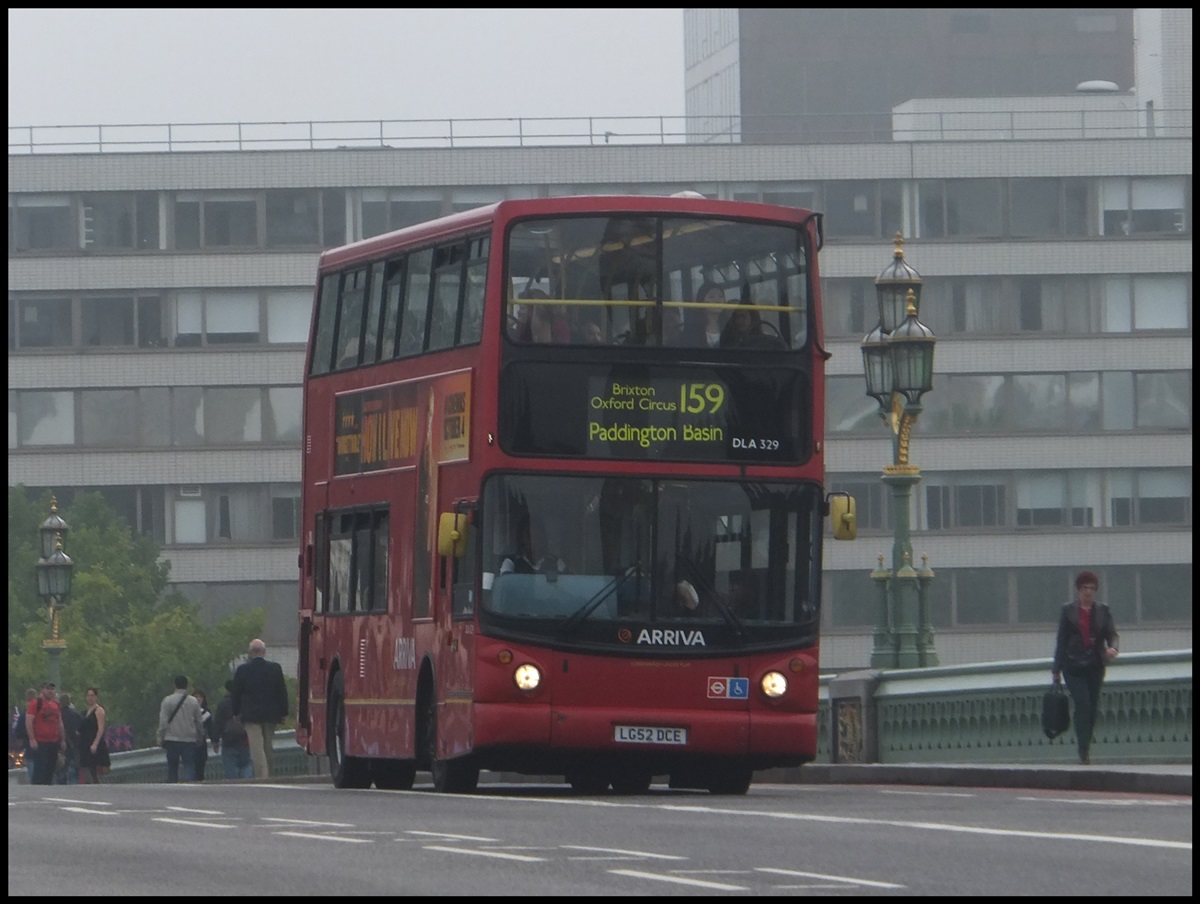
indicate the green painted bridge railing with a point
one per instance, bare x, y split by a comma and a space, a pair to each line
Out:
991, 713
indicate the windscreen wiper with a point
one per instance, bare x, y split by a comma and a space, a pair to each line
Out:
593, 604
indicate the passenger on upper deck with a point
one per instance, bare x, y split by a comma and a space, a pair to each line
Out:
541, 322
706, 322
744, 325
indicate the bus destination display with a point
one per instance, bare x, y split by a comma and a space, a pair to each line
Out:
689, 414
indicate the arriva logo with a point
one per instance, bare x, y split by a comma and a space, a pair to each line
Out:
668, 637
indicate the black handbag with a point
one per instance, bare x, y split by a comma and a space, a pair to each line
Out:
1056, 711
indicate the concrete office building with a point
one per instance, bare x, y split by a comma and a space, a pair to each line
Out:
159, 300
765, 76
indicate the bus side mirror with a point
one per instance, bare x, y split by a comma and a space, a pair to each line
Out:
841, 510
452, 534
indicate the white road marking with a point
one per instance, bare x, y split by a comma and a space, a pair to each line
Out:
71, 800
678, 880
1111, 802
496, 854
849, 880
196, 823
927, 793
603, 850
946, 827
201, 812
318, 837
448, 836
307, 822
89, 810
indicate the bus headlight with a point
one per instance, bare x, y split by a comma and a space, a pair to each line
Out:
527, 677
774, 684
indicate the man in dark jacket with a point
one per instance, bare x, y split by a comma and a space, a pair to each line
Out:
260, 700
1086, 642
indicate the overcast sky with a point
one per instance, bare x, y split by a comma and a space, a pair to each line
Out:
118, 66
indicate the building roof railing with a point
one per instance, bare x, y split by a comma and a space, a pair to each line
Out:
591, 131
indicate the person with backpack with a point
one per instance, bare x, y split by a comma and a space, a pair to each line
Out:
43, 721
230, 739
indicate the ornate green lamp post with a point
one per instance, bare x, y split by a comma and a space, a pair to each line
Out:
898, 362
54, 583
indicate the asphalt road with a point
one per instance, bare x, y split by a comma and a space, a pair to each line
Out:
264, 839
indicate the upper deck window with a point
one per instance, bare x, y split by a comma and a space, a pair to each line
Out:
658, 281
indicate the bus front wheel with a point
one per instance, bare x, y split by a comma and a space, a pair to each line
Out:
456, 776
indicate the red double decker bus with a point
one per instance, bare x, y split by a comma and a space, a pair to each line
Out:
562, 496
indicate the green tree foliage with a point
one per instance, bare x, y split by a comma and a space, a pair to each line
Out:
127, 631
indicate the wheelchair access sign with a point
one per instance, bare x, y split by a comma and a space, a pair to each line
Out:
728, 688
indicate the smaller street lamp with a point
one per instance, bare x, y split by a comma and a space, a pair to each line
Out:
53, 571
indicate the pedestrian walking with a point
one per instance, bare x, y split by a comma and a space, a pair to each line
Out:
72, 721
43, 721
93, 746
180, 729
206, 719
1086, 643
231, 739
20, 733
260, 700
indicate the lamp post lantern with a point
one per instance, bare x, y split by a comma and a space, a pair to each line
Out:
898, 365
53, 571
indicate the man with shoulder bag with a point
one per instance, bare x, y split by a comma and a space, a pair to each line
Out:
180, 729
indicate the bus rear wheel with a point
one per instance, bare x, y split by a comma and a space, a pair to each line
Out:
346, 771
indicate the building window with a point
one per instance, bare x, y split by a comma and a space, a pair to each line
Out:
285, 511
1047, 207
386, 209
215, 221
120, 221
1143, 205
293, 217
108, 417
46, 418
106, 321
232, 415
967, 500
283, 415
1164, 399
40, 223
44, 323
288, 314
216, 317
